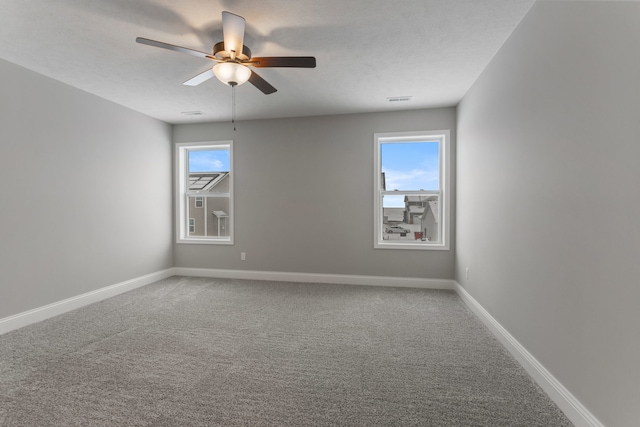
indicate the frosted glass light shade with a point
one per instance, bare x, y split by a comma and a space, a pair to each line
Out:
231, 73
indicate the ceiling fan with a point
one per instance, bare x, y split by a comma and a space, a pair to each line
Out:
233, 58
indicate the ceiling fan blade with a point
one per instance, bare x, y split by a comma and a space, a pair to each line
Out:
233, 32
175, 48
261, 84
284, 61
200, 78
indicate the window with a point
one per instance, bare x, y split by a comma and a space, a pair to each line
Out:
411, 178
204, 192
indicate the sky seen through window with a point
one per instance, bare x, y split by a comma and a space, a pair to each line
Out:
209, 161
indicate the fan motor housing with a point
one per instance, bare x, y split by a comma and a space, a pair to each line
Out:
218, 48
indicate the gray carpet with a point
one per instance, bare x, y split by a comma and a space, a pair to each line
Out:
213, 352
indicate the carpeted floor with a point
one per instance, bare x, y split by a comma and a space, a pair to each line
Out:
217, 352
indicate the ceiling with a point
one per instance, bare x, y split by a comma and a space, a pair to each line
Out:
366, 50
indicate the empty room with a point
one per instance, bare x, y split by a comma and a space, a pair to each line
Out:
297, 213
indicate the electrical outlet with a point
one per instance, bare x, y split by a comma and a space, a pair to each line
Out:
466, 272
243, 256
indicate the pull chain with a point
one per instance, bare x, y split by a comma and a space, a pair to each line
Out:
233, 106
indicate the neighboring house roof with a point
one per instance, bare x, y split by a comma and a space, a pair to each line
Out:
419, 209
418, 199
205, 181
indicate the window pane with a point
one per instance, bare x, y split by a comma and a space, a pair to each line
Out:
209, 170
411, 217
410, 166
213, 220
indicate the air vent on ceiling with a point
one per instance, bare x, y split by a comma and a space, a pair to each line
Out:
398, 98
192, 113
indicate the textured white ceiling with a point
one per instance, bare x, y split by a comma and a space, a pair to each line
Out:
366, 50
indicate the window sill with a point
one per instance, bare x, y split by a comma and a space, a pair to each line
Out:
412, 246
205, 241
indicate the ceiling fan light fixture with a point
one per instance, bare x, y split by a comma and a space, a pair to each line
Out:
235, 58
232, 73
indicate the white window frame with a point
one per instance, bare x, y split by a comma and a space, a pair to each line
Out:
199, 201
443, 138
182, 192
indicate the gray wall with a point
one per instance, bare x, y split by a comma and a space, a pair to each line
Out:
304, 196
549, 197
86, 192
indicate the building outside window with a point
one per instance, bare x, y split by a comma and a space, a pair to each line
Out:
411, 179
204, 191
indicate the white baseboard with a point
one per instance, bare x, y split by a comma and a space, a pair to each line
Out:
573, 409
343, 279
39, 314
